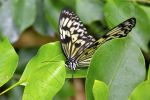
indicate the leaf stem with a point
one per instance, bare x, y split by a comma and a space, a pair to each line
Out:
16, 84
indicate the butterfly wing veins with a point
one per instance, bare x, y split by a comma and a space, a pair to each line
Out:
79, 46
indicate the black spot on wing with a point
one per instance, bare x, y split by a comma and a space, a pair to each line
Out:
127, 25
94, 45
65, 28
77, 45
86, 53
105, 36
67, 39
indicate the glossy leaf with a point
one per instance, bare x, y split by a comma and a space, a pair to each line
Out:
44, 72
100, 90
8, 61
120, 64
141, 92
89, 11
47, 53
115, 14
45, 82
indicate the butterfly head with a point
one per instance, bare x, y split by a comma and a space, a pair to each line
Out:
71, 63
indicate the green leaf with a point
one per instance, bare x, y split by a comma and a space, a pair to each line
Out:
50, 52
8, 61
100, 90
115, 14
44, 72
89, 10
141, 92
24, 13
146, 9
45, 82
120, 64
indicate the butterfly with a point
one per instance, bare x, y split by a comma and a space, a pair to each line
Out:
78, 46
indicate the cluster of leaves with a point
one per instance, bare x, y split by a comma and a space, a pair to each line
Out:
117, 70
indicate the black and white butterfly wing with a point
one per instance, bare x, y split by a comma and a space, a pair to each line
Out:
119, 31
73, 35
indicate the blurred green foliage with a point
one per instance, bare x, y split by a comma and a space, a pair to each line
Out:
99, 16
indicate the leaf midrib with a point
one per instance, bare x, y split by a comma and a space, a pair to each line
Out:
117, 67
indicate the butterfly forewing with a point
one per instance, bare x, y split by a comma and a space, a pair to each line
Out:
119, 31
73, 34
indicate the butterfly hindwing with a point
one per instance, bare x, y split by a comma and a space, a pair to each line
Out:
119, 31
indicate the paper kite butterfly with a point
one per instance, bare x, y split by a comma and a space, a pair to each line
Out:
79, 46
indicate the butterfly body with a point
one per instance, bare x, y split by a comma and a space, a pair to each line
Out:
78, 46
71, 63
